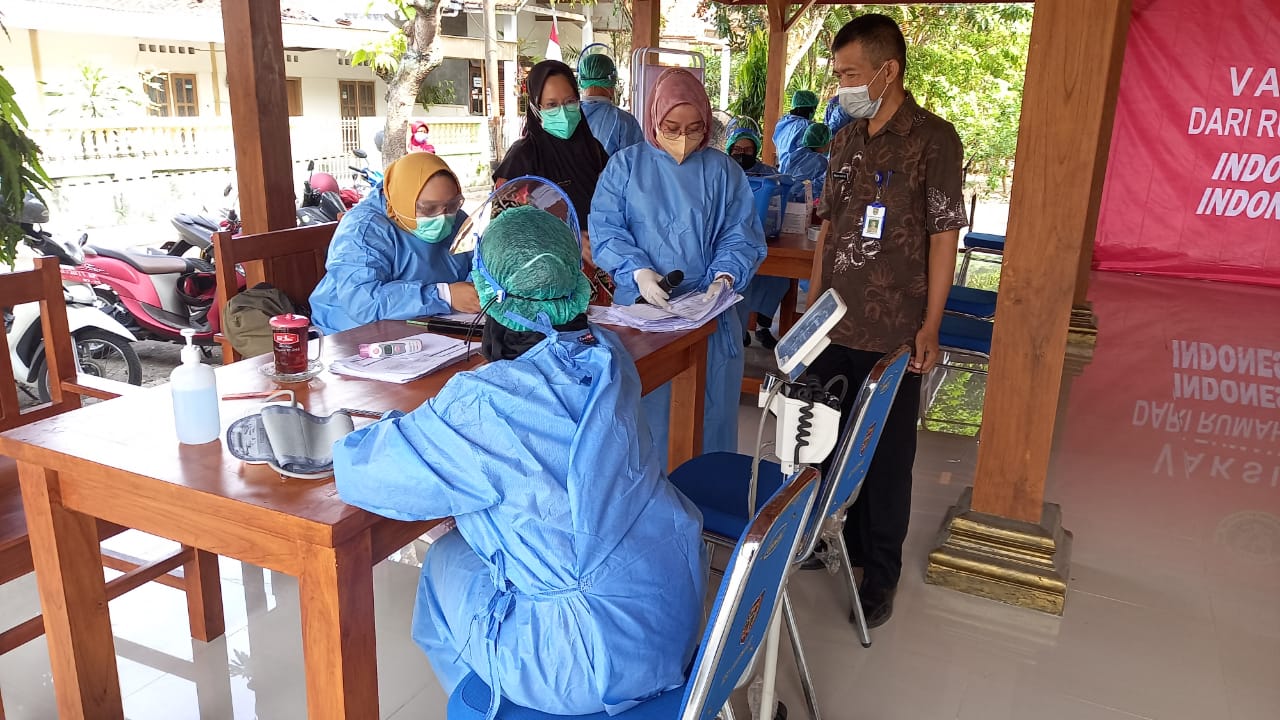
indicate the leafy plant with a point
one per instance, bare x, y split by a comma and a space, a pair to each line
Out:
20, 171
441, 93
750, 78
96, 94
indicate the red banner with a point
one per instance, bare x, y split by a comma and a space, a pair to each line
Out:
1193, 180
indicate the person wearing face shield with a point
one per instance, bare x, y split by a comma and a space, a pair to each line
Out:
892, 208
389, 259
744, 147
810, 161
672, 203
557, 144
614, 127
789, 131
574, 581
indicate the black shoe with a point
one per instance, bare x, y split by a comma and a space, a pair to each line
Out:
746, 339
877, 606
766, 338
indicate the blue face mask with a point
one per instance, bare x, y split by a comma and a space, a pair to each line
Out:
434, 229
562, 121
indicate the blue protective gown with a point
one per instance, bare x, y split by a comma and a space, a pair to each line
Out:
788, 135
378, 271
765, 292
836, 117
762, 170
806, 164
698, 217
614, 127
575, 581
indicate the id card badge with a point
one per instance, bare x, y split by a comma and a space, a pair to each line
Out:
873, 221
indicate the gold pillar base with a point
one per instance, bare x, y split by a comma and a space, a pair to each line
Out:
1019, 563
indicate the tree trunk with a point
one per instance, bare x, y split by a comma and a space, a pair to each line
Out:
421, 57
817, 19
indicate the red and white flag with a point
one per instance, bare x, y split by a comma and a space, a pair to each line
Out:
553, 43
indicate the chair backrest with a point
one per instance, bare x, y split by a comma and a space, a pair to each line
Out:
858, 443
42, 285
745, 603
291, 260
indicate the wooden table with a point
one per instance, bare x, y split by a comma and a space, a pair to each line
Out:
120, 461
790, 256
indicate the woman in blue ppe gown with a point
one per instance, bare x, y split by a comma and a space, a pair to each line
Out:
810, 161
574, 582
672, 203
389, 259
835, 116
765, 292
614, 127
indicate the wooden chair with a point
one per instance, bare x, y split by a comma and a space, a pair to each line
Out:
199, 569
291, 260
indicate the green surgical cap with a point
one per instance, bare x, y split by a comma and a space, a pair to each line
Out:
597, 70
536, 259
737, 135
804, 99
816, 135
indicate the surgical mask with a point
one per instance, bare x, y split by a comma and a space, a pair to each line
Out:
857, 102
434, 229
420, 136
682, 146
746, 161
561, 121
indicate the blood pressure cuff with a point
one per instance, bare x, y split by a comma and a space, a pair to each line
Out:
290, 440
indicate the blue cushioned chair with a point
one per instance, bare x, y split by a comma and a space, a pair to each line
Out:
971, 302
739, 619
982, 243
965, 336
719, 483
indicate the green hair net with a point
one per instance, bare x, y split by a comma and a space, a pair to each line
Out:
536, 259
597, 70
804, 99
816, 135
737, 135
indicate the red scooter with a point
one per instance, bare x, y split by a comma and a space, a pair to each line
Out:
154, 296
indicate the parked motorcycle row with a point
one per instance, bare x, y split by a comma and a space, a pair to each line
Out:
116, 297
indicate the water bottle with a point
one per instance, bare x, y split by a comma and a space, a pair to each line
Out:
195, 397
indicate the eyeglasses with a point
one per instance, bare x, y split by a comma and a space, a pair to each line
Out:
570, 106
445, 208
672, 134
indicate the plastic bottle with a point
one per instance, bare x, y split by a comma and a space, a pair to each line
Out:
195, 397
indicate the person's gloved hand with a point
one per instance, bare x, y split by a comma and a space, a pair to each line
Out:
717, 286
647, 281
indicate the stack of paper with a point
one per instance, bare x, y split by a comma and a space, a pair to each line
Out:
437, 352
687, 312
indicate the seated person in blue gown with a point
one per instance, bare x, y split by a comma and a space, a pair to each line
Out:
809, 162
389, 259
744, 147
574, 582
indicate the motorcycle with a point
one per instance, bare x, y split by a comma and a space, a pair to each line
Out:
102, 345
195, 230
366, 178
321, 201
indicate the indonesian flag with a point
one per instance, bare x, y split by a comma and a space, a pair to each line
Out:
553, 43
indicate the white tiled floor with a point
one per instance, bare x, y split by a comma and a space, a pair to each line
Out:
1173, 611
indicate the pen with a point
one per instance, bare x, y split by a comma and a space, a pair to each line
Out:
249, 395
419, 323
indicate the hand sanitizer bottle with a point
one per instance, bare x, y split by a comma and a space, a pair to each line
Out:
195, 397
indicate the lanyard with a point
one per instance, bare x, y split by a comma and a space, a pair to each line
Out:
882, 182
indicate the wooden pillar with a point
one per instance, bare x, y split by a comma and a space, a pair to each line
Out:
775, 77
646, 23
259, 113
1006, 543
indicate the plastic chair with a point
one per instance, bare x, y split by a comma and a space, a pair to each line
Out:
740, 617
718, 483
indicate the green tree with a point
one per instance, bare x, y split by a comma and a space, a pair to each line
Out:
96, 94
749, 79
20, 171
403, 59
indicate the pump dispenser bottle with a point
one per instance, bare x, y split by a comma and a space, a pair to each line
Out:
195, 397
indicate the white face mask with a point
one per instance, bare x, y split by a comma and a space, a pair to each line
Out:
856, 101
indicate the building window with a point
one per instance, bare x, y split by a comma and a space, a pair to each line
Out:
293, 89
355, 98
172, 95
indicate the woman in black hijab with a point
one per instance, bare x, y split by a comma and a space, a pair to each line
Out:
557, 143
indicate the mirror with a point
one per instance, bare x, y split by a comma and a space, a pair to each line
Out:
360, 154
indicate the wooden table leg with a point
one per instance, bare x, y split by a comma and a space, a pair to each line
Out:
204, 596
688, 396
73, 596
336, 595
790, 313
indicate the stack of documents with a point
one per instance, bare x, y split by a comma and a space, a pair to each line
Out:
687, 312
437, 352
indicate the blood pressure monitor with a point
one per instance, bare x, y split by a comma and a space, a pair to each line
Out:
809, 337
